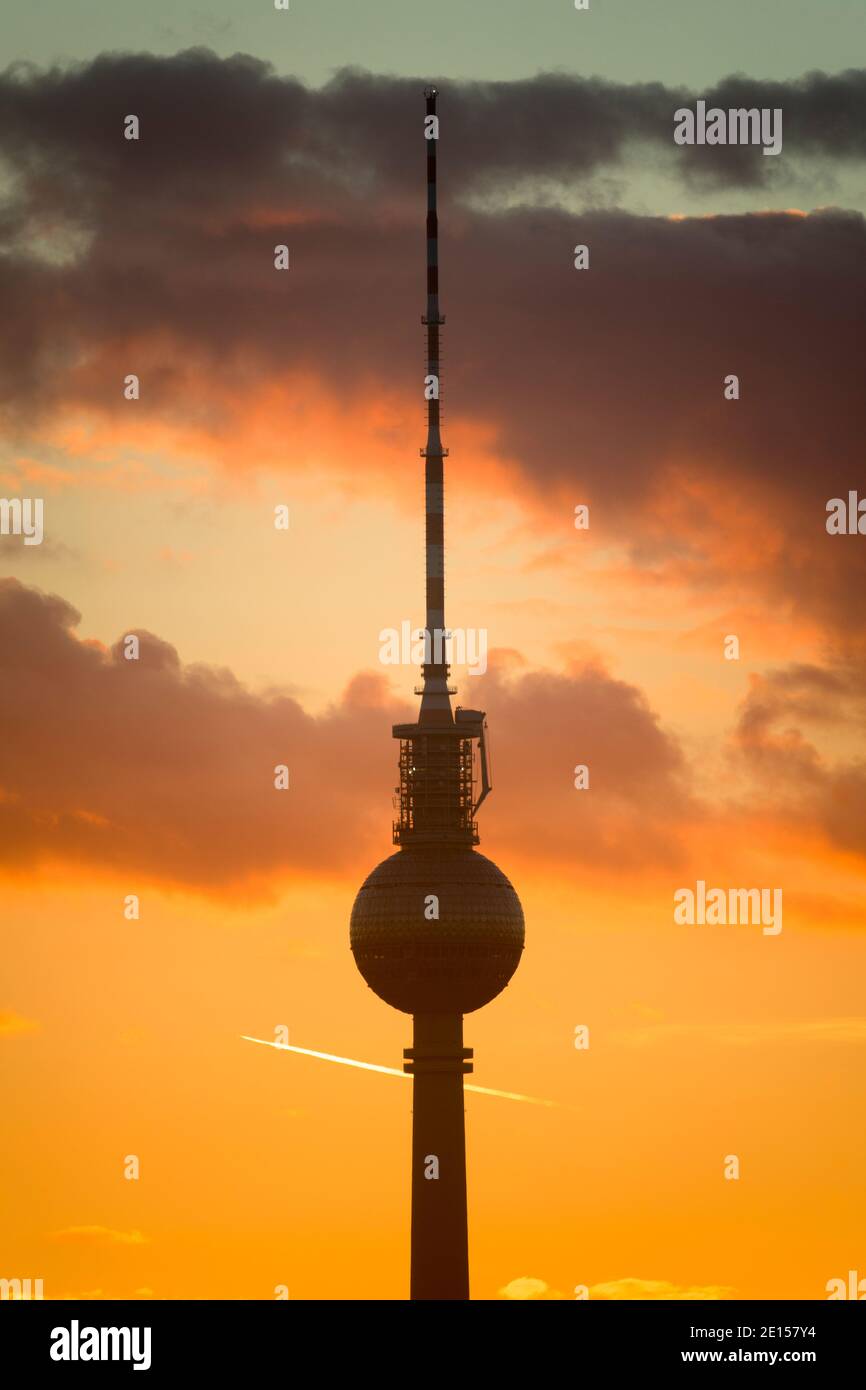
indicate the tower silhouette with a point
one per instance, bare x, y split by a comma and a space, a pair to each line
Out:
437, 929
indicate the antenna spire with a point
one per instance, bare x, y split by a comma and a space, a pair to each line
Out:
435, 701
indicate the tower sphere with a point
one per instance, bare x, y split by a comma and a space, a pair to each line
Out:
451, 963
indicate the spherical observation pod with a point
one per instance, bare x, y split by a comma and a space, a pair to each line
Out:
453, 963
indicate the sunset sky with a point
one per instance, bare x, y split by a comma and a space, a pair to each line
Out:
261, 646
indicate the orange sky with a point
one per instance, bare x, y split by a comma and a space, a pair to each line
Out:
259, 647
260, 1169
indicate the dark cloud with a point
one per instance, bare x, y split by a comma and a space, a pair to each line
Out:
213, 127
789, 735
602, 386
822, 118
543, 726
164, 771
167, 771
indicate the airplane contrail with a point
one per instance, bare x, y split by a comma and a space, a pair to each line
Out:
393, 1071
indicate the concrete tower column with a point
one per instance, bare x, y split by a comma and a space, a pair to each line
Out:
440, 1251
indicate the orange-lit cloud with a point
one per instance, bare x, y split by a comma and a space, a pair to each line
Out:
12, 1025
98, 1236
526, 1288
800, 734
653, 1289
617, 1290
167, 771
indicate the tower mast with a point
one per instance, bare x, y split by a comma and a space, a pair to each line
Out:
437, 930
437, 1060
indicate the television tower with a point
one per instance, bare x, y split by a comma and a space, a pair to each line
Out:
437, 929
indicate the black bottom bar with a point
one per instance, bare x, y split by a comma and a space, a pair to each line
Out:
220, 1339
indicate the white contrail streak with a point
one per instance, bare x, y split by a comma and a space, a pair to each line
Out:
393, 1071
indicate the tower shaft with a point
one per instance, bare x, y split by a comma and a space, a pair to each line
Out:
438, 1062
